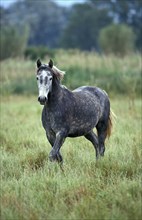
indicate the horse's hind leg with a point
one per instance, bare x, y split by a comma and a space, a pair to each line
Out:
91, 136
102, 133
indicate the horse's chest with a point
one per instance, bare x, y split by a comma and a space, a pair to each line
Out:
53, 119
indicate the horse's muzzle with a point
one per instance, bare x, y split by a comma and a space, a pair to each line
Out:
42, 100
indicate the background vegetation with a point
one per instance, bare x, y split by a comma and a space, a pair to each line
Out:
114, 74
45, 23
13, 42
117, 39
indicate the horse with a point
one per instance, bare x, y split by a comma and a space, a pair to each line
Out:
69, 113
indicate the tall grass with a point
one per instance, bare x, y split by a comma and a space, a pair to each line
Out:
113, 74
34, 188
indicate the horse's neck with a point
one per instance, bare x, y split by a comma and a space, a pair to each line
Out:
57, 89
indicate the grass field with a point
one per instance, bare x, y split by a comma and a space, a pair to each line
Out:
32, 188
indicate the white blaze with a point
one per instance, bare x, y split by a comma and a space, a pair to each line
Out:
44, 87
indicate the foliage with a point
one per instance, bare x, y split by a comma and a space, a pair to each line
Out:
34, 188
34, 52
45, 20
84, 26
111, 73
117, 39
129, 13
124, 12
79, 26
12, 42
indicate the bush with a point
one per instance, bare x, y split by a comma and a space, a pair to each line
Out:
117, 39
34, 52
12, 42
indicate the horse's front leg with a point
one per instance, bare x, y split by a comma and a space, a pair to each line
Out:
51, 138
54, 153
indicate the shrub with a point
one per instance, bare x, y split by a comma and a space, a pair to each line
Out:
117, 39
12, 42
33, 52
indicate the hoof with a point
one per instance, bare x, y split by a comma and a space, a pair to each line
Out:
52, 157
102, 151
56, 157
59, 158
97, 157
102, 154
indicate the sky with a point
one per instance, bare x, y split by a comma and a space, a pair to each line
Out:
66, 3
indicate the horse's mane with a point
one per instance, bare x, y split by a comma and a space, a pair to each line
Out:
58, 73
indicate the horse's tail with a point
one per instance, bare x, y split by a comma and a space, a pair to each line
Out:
109, 126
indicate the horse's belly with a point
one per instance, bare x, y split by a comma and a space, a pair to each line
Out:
80, 129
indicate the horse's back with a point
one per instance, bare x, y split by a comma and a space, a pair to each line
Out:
99, 96
92, 91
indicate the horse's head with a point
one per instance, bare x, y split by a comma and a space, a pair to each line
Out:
44, 80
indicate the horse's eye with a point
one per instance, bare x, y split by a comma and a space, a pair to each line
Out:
37, 78
50, 79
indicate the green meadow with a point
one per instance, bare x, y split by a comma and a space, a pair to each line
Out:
33, 188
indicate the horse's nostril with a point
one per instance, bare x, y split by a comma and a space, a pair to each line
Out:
42, 99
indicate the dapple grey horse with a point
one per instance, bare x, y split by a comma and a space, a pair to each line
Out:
71, 113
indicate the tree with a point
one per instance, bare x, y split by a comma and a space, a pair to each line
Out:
12, 42
45, 20
84, 26
129, 12
117, 39
77, 27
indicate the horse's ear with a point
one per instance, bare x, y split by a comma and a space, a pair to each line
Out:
38, 62
50, 63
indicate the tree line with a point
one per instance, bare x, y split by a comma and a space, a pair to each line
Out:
92, 25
